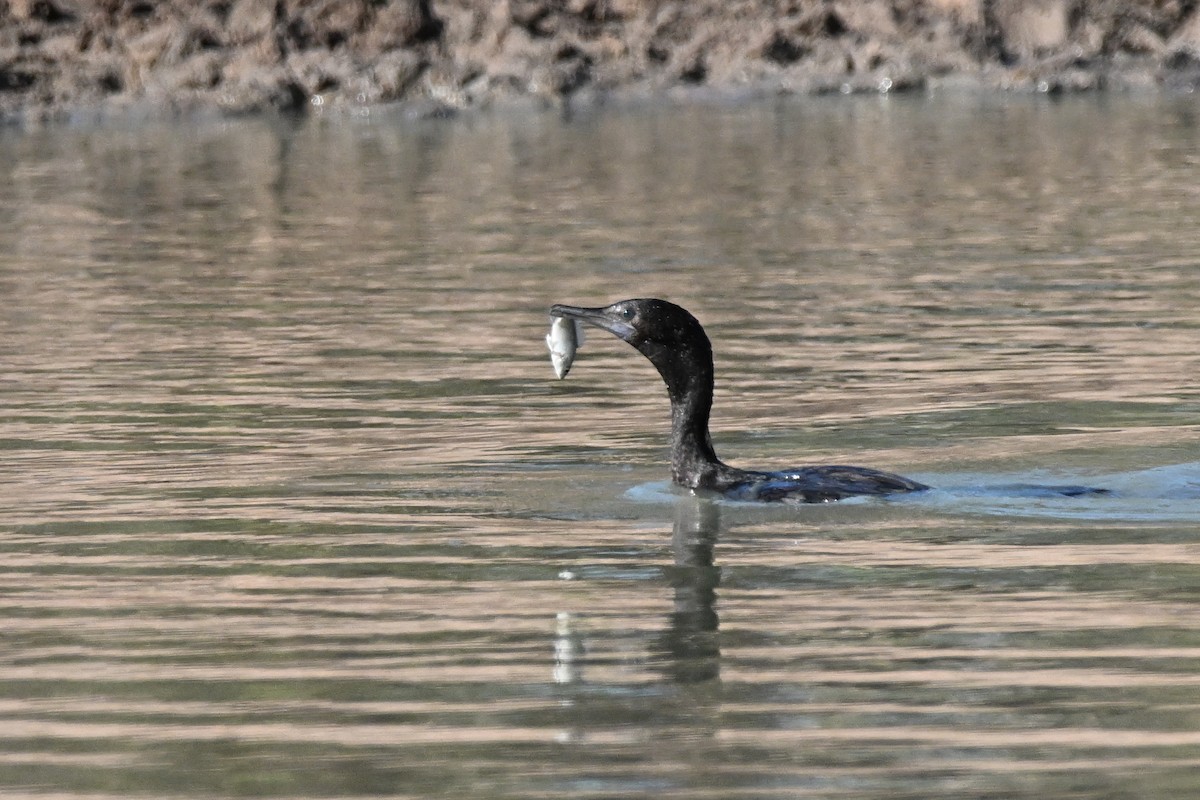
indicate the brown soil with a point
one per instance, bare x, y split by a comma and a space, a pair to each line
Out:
59, 57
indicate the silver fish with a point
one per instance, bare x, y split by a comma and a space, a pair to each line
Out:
564, 338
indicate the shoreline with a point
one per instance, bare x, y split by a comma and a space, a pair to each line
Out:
74, 60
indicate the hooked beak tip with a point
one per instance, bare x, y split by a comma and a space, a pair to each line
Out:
570, 312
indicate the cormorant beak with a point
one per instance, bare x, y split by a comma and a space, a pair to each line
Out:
598, 317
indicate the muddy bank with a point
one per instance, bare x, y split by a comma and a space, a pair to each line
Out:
241, 56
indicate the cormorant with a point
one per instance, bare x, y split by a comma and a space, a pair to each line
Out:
678, 347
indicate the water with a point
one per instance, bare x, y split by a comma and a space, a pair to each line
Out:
292, 505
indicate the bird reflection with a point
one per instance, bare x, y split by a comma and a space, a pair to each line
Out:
686, 653
689, 650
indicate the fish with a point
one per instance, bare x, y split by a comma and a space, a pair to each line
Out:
564, 338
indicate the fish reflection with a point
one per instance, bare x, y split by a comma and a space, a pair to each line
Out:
568, 649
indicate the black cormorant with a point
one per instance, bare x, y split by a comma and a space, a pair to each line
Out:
678, 347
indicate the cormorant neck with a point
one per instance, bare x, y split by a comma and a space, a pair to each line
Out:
688, 373
694, 463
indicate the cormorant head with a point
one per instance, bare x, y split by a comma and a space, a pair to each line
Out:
665, 333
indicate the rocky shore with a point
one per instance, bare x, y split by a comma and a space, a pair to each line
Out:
64, 57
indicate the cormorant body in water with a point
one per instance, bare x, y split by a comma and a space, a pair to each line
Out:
678, 347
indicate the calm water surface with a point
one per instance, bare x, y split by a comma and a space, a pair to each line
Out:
292, 505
